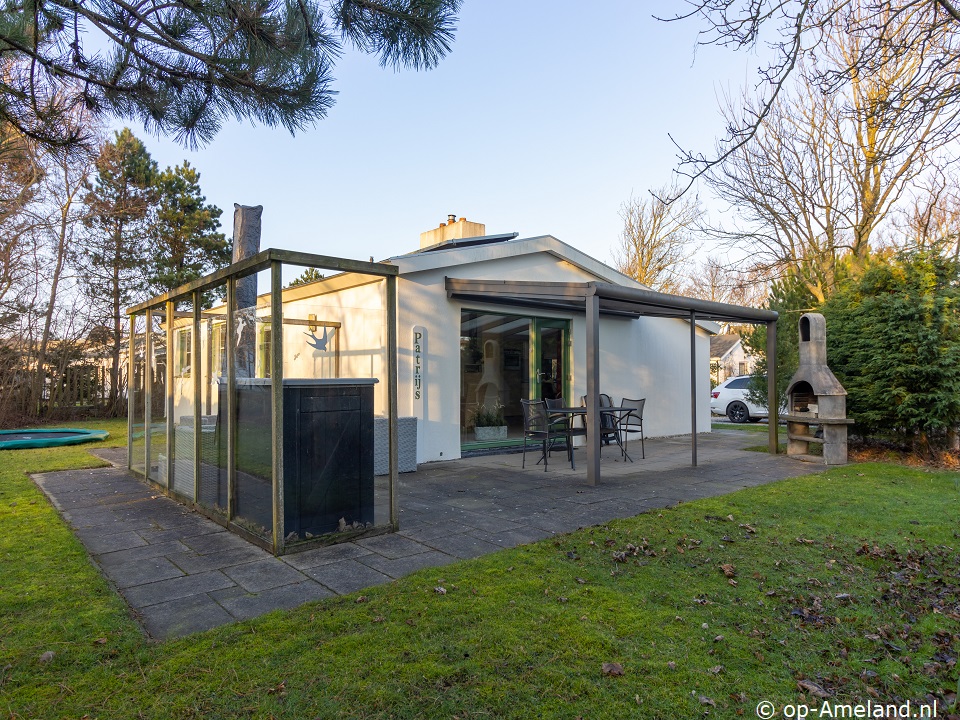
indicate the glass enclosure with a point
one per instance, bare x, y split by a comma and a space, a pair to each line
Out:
251, 344
505, 359
137, 385
246, 405
211, 359
156, 429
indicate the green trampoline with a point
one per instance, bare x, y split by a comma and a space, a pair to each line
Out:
19, 439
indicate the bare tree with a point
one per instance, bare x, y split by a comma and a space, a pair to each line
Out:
931, 219
65, 183
719, 281
825, 170
20, 175
799, 30
655, 243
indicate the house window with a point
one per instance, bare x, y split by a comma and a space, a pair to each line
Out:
218, 344
744, 370
264, 339
184, 346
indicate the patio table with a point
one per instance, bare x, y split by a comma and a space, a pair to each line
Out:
571, 412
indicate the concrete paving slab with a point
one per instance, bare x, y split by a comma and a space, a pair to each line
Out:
391, 546
183, 616
399, 567
325, 555
98, 543
143, 552
192, 563
146, 570
347, 576
245, 606
155, 593
263, 574
463, 546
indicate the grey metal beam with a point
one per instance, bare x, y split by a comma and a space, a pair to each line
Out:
131, 375
276, 398
171, 457
392, 399
773, 404
231, 395
593, 389
197, 372
693, 388
705, 309
261, 261
147, 391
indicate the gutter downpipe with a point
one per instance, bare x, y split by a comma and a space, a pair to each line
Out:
592, 307
693, 388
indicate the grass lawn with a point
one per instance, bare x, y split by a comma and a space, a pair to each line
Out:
745, 427
844, 584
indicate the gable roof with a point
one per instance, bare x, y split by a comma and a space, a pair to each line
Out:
720, 345
440, 257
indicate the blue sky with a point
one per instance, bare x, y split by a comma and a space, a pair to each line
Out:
545, 117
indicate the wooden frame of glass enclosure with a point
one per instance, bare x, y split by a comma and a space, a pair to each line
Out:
275, 538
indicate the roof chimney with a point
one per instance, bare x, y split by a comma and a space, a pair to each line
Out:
453, 229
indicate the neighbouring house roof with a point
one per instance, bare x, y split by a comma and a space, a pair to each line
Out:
720, 345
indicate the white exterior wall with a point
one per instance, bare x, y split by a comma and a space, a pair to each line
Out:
362, 337
648, 357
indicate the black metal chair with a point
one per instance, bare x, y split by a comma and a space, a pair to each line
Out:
538, 426
632, 422
608, 421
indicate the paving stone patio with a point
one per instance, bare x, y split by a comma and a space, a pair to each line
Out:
181, 573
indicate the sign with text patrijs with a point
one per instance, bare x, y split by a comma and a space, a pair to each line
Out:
419, 368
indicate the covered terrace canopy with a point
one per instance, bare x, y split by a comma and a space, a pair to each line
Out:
596, 298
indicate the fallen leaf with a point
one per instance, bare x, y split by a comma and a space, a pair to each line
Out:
672, 665
813, 688
732, 582
278, 689
361, 599
716, 669
47, 656
704, 700
728, 570
804, 541
612, 668
718, 638
100, 641
439, 590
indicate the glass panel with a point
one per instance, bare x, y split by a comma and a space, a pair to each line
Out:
335, 446
494, 370
138, 458
158, 397
254, 501
211, 362
550, 361
184, 377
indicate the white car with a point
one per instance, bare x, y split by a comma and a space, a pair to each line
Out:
730, 398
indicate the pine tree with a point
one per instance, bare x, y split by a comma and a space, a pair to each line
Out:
184, 238
183, 67
115, 256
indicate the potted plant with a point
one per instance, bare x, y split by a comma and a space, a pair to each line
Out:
489, 424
